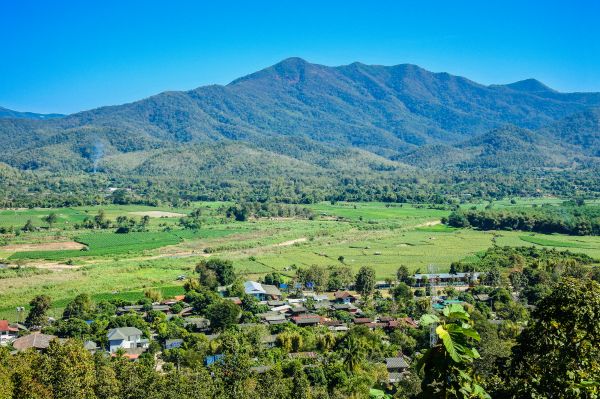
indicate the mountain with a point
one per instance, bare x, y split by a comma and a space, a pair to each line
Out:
9, 113
298, 118
581, 130
530, 86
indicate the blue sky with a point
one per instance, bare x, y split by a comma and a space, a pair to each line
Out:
60, 56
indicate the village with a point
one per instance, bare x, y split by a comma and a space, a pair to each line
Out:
276, 309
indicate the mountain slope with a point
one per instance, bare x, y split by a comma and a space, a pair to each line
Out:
312, 117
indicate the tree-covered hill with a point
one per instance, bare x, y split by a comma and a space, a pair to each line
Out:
296, 120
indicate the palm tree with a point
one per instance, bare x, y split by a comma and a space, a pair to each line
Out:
354, 352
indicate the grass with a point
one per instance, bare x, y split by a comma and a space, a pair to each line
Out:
110, 244
552, 243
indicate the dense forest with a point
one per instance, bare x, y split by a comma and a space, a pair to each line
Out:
46, 189
569, 218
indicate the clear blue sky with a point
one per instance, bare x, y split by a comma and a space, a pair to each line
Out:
60, 56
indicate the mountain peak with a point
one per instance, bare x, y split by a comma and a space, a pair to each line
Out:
530, 86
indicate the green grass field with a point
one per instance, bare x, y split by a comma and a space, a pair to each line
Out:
373, 234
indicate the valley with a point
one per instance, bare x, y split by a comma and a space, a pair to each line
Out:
383, 236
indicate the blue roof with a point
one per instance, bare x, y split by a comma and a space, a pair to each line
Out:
208, 360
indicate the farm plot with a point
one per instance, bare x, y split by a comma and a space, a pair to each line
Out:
109, 244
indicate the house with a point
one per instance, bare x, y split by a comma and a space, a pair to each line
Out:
235, 300
442, 279
344, 297
162, 308
36, 341
90, 346
7, 332
275, 319
173, 343
125, 338
302, 355
196, 323
362, 320
269, 341
208, 360
262, 292
382, 285
306, 320
298, 310
396, 367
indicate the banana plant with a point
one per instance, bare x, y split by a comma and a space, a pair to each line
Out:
448, 366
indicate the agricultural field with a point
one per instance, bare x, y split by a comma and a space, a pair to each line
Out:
109, 265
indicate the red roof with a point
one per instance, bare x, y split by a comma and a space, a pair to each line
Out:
130, 356
4, 326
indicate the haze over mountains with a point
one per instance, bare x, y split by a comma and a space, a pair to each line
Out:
301, 118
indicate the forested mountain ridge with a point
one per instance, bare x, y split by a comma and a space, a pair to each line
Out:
9, 113
297, 119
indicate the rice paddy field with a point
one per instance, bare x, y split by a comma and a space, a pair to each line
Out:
61, 261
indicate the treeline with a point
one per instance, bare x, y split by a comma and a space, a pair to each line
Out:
44, 189
564, 219
241, 212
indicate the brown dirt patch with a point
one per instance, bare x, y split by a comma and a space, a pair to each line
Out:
290, 242
46, 246
429, 224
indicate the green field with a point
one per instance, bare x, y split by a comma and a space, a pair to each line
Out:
374, 234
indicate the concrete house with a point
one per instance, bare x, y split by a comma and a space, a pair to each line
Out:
397, 367
262, 292
126, 338
7, 333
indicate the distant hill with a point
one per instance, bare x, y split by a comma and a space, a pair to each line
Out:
9, 113
301, 119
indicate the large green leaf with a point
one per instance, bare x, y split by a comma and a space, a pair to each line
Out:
448, 342
428, 319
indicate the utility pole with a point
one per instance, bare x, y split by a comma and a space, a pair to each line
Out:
432, 269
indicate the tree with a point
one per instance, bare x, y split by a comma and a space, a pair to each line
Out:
28, 226
69, 370
223, 314
448, 366
402, 292
81, 307
354, 352
493, 277
365, 281
402, 274
37, 318
50, 219
223, 269
560, 350
340, 277
153, 294
300, 384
